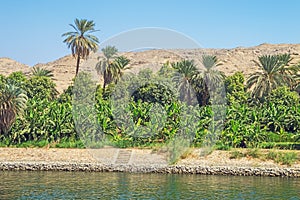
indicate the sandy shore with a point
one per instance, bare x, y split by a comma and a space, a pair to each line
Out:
139, 160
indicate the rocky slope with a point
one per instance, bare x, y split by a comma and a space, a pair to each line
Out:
236, 59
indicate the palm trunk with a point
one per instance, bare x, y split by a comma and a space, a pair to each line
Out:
77, 64
104, 82
105, 76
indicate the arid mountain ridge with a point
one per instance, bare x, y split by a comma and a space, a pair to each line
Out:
233, 60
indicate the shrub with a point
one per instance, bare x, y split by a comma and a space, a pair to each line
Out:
155, 93
17, 77
283, 96
235, 89
41, 87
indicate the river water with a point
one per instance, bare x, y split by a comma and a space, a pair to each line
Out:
90, 185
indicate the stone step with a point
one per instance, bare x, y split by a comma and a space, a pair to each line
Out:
123, 156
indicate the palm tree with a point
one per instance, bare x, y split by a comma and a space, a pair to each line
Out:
211, 75
187, 74
105, 67
81, 41
211, 79
120, 64
12, 103
274, 72
38, 71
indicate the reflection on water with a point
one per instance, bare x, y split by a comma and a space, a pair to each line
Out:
87, 185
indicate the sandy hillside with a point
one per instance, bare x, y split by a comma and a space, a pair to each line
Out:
8, 66
236, 59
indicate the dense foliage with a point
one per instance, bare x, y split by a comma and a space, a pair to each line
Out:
149, 109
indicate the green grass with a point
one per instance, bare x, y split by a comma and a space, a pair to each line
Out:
254, 153
272, 155
281, 145
29, 144
236, 154
284, 158
44, 143
2, 144
222, 147
288, 158
69, 144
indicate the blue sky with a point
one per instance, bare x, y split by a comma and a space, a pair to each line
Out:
31, 29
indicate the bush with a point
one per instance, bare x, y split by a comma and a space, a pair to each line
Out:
41, 87
155, 93
44, 120
283, 96
235, 89
17, 77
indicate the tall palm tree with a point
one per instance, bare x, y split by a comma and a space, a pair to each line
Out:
12, 103
274, 72
105, 67
38, 71
81, 41
187, 74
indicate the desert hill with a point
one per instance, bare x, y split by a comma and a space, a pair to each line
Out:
8, 66
236, 59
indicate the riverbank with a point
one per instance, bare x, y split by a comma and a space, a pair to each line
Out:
142, 161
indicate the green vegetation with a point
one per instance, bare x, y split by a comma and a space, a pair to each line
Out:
47, 116
12, 103
262, 112
275, 72
285, 158
236, 154
254, 153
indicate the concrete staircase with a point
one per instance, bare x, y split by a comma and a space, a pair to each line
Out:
124, 156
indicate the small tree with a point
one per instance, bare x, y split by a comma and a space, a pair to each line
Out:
12, 103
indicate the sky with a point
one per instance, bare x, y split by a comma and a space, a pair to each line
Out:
31, 29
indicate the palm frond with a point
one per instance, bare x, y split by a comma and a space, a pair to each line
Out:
210, 61
274, 72
38, 71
